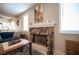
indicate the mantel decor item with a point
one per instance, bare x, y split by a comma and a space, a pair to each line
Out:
38, 14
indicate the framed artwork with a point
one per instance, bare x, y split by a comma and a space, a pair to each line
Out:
38, 14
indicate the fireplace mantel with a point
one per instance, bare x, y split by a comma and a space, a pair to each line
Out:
51, 24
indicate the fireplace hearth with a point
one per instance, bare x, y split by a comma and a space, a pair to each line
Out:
40, 39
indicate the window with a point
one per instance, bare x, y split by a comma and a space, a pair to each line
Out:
13, 26
5, 26
69, 18
8, 26
25, 22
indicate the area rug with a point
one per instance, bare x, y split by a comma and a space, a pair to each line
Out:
25, 52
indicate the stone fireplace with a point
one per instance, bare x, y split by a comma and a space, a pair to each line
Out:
43, 36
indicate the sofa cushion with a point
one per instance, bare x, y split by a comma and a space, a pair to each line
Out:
6, 35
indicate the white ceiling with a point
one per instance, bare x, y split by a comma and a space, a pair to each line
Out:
13, 9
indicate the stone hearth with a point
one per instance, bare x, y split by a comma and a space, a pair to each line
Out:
49, 32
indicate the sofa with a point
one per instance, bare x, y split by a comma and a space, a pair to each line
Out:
12, 42
6, 36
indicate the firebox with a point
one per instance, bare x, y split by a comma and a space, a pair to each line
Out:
40, 39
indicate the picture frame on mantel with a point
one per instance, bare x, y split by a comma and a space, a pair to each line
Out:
38, 13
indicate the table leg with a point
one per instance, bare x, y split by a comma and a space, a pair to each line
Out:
30, 48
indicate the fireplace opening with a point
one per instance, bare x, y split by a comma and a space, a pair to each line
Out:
40, 39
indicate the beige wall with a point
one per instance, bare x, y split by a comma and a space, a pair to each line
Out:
30, 17
20, 26
51, 12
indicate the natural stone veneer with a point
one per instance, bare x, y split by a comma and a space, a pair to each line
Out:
49, 31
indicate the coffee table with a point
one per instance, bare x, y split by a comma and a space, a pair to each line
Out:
10, 49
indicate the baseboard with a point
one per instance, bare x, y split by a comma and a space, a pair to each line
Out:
57, 52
